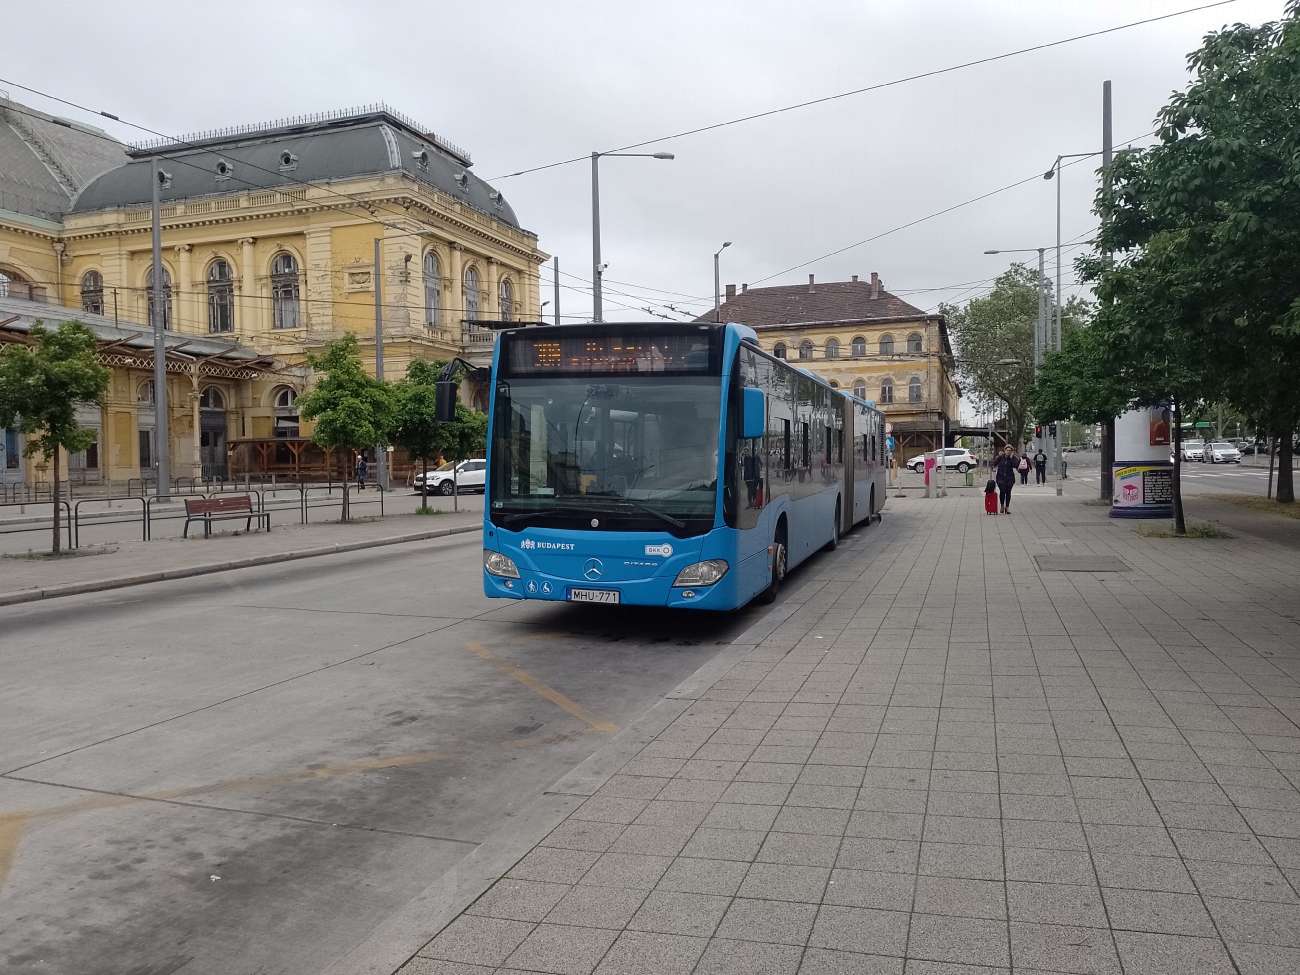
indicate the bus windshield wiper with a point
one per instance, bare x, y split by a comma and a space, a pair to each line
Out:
640, 506
510, 519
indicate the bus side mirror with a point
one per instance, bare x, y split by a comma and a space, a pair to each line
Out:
444, 407
754, 421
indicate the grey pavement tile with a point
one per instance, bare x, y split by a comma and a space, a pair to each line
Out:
1119, 812
948, 781
980, 804
1256, 922
1202, 844
961, 860
778, 922
785, 882
626, 870
962, 829
1285, 852
870, 888
965, 761
477, 940
782, 753
865, 853
554, 866
723, 957
1141, 840
433, 966
1158, 912
885, 825
645, 953
1060, 948
769, 772
1020, 763
1259, 959
714, 750
859, 929
1164, 954
578, 834
825, 796
892, 800
654, 840
801, 819
710, 770
561, 949
967, 940
518, 900
879, 779
1030, 834
1101, 766
843, 775
800, 848
740, 815
597, 907
1273, 822
1056, 809
961, 898
624, 786
758, 793
1074, 904
1202, 815
1049, 866
693, 790
664, 768
674, 912
725, 844
673, 812
916, 966
824, 961
1246, 881
695, 876
609, 809
1132, 872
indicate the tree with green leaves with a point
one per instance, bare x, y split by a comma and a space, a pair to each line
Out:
351, 409
416, 426
41, 386
1205, 227
994, 339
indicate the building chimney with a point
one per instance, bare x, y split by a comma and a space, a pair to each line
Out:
731, 291
744, 288
875, 285
855, 279
810, 282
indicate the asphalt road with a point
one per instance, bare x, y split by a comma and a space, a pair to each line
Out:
247, 772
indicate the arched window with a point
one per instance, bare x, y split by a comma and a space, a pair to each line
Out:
886, 345
914, 389
834, 384
211, 399
832, 350
859, 345
144, 394
284, 292
471, 294
285, 398
92, 293
914, 342
432, 289
506, 299
4, 285
221, 297
287, 427
161, 302
805, 349
778, 350
886, 390
860, 388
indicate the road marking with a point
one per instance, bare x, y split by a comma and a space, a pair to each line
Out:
537, 687
11, 827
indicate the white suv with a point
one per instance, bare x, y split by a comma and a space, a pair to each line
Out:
958, 458
471, 475
1193, 450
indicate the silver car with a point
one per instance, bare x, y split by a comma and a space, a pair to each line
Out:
1222, 453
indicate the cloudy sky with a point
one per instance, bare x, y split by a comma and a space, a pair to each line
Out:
524, 84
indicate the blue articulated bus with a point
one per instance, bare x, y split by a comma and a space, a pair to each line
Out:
666, 464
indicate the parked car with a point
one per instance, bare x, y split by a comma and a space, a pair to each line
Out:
470, 475
1193, 450
958, 458
1222, 453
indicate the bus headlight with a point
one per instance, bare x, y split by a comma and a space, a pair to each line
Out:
702, 573
499, 565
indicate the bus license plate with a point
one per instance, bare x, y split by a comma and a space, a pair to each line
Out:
593, 595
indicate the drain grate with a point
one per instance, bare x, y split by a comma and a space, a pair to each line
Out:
1080, 563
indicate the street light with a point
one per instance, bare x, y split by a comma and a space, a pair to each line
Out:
717, 284
597, 268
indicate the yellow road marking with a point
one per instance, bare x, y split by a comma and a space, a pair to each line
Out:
537, 687
11, 827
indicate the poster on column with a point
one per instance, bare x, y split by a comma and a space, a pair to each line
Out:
1143, 487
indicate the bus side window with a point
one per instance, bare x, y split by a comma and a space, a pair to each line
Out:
805, 446
839, 446
786, 454
871, 457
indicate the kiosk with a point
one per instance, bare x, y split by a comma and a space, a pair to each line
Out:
1143, 470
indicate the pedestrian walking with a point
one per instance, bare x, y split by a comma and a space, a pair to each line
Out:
1005, 469
1023, 468
361, 472
1040, 467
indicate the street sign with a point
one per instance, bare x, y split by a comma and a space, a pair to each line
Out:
889, 428
889, 443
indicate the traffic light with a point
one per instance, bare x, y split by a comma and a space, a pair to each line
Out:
1051, 431
1038, 431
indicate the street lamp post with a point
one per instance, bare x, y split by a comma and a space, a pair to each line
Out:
597, 313
717, 284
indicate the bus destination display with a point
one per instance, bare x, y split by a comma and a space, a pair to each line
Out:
611, 352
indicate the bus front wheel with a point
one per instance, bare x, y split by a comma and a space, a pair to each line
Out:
768, 595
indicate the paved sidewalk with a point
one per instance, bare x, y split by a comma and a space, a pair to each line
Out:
945, 761
126, 563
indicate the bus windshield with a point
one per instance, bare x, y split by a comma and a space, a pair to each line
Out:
616, 453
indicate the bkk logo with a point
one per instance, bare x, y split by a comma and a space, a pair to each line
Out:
665, 549
561, 546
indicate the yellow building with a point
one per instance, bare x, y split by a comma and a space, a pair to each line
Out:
268, 249
862, 339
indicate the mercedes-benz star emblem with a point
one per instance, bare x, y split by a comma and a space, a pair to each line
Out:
594, 569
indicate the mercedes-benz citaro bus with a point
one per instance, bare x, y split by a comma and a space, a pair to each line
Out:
666, 464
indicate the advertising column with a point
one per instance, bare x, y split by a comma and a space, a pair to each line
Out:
1143, 470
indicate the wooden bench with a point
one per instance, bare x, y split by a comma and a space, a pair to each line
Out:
208, 510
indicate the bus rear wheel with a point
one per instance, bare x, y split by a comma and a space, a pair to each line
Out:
768, 595
834, 543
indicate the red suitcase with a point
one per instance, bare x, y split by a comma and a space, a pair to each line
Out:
991, 503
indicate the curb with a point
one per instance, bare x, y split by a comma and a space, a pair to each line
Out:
121, 582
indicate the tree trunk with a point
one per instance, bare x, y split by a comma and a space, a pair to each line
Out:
1180, 523
1108, 459
1269, 492
347, 483
56, 497
1285, 476
424, 484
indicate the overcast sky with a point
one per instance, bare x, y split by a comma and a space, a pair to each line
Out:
522, 84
